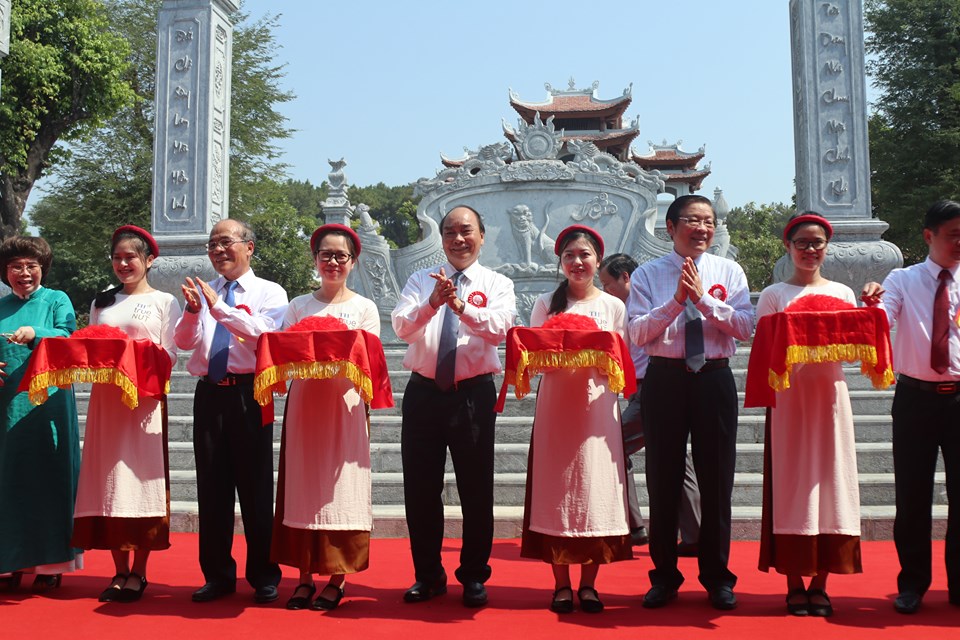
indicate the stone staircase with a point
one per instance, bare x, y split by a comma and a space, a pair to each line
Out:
874, 457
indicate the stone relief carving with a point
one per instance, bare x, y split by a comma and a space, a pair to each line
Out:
536, 170
596, 208
525, 302
367, 224
380, 289
534, 246
537, 141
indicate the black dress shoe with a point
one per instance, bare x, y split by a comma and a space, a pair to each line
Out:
658, 596
639, 537
722, 598
423, 591
296, 603
823, 609
213, 591
589, 605
798, 604
266, 594
562, 605
474, 594
907, 602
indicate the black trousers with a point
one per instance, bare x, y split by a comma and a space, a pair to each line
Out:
677, 404
463, 420
234, 453
923, 423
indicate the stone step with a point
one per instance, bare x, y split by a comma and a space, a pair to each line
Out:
516, 429
876, 489
872, 457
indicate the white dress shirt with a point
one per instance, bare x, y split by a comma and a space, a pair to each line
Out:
267, 302
657, 320
490, 310
908, 301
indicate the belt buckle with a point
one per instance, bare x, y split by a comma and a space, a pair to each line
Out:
946, 388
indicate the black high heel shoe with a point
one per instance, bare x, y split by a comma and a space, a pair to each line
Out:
132, 595
116, 585
45, 582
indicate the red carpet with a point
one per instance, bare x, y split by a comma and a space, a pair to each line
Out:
519, 594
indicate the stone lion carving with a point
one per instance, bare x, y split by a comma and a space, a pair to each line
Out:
534, 245
367, 223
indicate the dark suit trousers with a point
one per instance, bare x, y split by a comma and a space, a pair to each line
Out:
234, 453
923, 423
463, 420
677, 404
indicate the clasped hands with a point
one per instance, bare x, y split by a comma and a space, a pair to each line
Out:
445, 292
193, 289
689, 284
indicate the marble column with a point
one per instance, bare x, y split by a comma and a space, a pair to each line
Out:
830, 137
192, 135
4, 28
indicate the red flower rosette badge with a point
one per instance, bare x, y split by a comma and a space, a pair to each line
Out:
718, 291
477, 299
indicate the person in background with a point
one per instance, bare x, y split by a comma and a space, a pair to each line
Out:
39, 446
123, 500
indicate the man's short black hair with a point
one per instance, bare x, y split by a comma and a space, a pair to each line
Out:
681, 203
443, 220
940, 212
619, 264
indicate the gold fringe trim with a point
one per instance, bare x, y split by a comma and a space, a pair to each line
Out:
532, 363
275, 376
866, 354
65, 377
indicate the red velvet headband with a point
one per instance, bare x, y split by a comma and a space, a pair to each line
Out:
137, 231
578, 227
806, 219
327, 228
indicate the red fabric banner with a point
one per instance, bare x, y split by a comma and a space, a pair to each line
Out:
532, 351
138, 367
788, 338
319, 355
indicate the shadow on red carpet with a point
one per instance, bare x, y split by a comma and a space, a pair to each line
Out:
519, 590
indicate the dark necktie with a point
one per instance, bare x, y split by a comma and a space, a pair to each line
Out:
940, 340
447, 351
220, 345
693, 338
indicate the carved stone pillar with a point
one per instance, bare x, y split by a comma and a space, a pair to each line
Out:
336, 208
192, 135
830, 136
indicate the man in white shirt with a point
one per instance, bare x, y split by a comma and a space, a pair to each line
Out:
615, 272
923, 303
687, 309
234, 451
453, 317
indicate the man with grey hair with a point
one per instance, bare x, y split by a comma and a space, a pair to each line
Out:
234, 452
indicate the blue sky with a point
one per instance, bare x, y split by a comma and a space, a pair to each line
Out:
389, 86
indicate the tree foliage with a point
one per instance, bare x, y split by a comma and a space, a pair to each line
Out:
63, 77
756, 230
915, 131
107, 180
393, 207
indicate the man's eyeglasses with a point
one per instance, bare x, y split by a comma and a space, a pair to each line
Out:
327, 256
817, 245
224, 244
706, 223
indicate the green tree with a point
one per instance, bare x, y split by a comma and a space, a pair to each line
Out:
915, 131
64, 76
755, 230
107, 180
